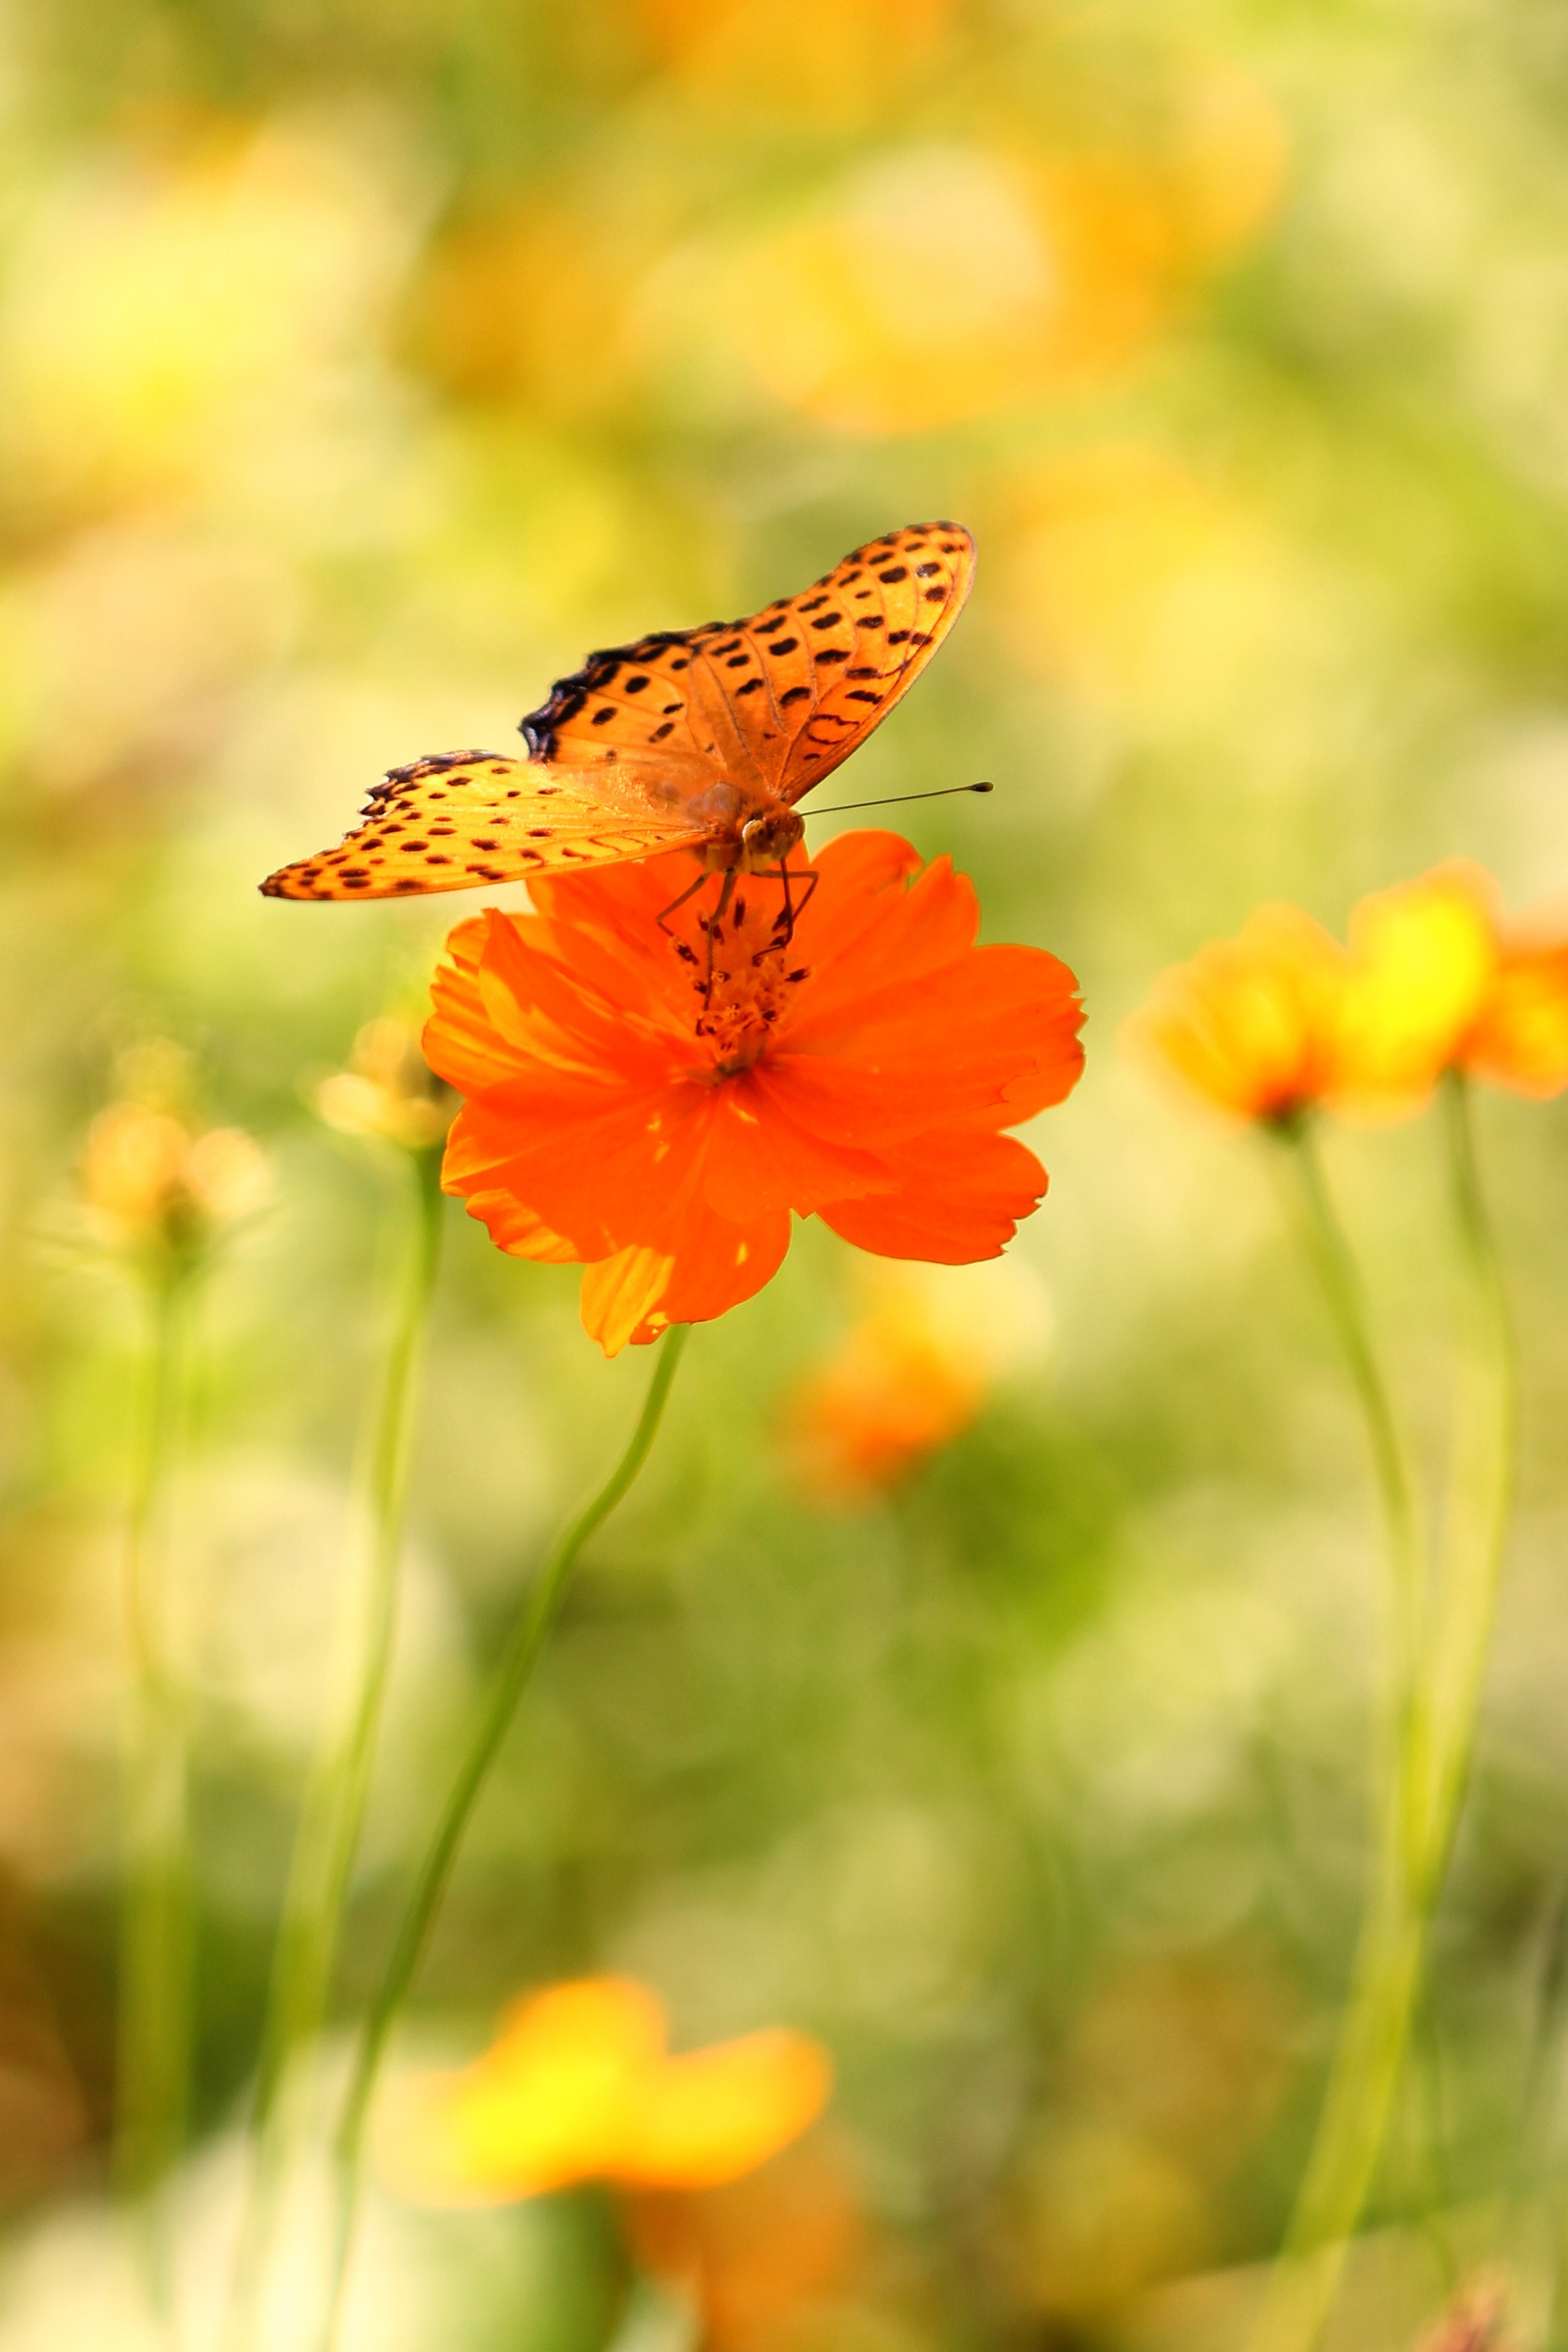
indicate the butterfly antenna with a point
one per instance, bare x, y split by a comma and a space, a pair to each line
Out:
946, 793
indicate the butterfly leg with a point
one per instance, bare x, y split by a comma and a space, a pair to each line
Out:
711, 924
691, 892
791, 911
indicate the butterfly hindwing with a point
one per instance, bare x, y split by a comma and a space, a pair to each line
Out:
457, 819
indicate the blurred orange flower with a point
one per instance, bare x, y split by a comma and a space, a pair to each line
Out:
1476, 2320
1253, 1023
759, 2255
580, 2086
1438, 981
621, 1116
894, 1390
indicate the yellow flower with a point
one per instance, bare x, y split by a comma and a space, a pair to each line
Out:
388, 1089
1424, 965
154, 1185
1253, 1024
1440, 981
580, 2086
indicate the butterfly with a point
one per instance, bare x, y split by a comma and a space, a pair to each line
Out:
702, 739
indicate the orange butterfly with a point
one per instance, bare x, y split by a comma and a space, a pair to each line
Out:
701, 738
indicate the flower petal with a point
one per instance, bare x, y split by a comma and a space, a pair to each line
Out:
1521, 1038
719, 2113
963, 1198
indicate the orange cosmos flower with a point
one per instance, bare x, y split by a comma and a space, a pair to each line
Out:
1253, 1023
621, 1115
764, 2262
579, 2087
894, 1389
1438, 981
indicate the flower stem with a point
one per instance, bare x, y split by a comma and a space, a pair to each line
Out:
1482, 1505
332, 1813
151, 2091
1438, 1659
532, 1626
1387, 1974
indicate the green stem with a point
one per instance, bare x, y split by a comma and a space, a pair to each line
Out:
1330, 1252
1437, 1697
1481, 1506
152, 2087
530, 1630
332, 1815
1386, 1976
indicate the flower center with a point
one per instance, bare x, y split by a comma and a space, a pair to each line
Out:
754, 976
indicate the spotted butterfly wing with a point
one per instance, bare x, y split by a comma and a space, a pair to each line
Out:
772, 703
664, 743
461, 818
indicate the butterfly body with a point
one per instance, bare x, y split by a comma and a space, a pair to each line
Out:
702, 739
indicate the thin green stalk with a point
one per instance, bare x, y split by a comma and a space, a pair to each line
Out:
1386, 1976
332, 1815
1326, 1246
1425, 1787
152, 2087
537, 1615
1486, 1446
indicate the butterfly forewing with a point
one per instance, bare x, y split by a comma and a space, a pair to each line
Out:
773, 702
461, 818
870, 626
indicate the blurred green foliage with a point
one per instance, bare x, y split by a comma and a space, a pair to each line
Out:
362, 364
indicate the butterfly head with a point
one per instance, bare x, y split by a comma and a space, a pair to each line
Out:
767, 839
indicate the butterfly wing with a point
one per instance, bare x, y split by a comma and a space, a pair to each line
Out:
460, 818
664, 741
772, 703
862, 636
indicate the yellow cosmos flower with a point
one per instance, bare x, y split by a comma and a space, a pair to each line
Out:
580, 2086
1282, 1019
1252, 1023
1440, 982
1424, 960
388, 1090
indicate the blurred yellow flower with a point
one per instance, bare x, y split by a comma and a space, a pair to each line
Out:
1283, 1018
951, 279
1424, 962
1123, 574
839, 66
388, 1090
895, 1390
154, 1185
1440, 983
1253, 1024
580, 2086
168, 310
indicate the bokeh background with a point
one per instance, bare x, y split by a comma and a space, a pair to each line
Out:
364, 361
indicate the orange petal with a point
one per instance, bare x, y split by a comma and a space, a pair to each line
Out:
962, 1199
621, 1294
1522, 1038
